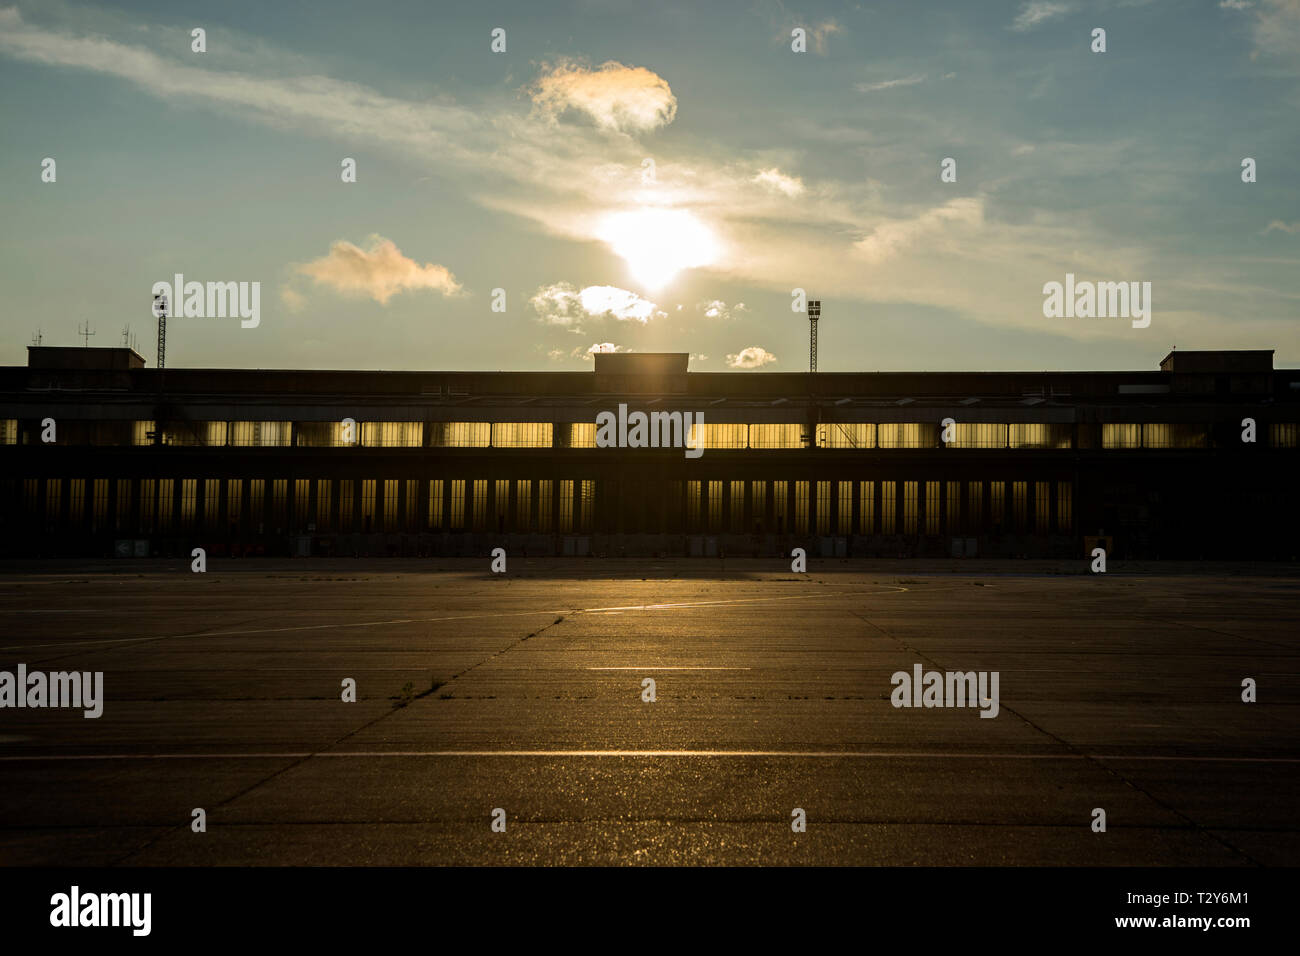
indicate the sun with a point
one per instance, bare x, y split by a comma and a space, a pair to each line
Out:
657, 244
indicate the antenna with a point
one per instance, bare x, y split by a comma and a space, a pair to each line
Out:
126, 336
160, 310
84, 331
814, 313
38, 338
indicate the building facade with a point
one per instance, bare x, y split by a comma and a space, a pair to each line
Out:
102, 456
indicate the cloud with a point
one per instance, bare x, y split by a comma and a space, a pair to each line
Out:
626, 99
717, 309
564, 304
752, 357
380, 271
1038, 11
1277, 29
820, 33
1291, 228
891, 237
788, 185
1235, 4
597, 348
890, 84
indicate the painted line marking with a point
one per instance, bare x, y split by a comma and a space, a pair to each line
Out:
668, 668
819, 754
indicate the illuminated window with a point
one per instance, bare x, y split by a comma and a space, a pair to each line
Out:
1064, 507
435, 504
844, 519
347, 503
53, 490
323, 489
576, 434
327, 434
714, 507
523, 505
148, 504
189, 502
166, 498
140, 431
457, 518
974, 505
722, 435
501, 502
801, 507
521, 434
368, 490
460, 434
412, 504
823, 507
758, 489
978, 435
301, 503
280, 502
586, 504
122, 520
234, 501
1042, 506
775, 436
566, 506
211, 503
780, 504
1019, 504
1121, 436
737, 507
846, 435
76, 501
545, 504
954, 507
1175, 436
397, 434
866, 507
346, 496
932, 489
903, 435
260, 434
692, 506
1282, 435
99, 510
8, 431
888, 507
390, 505
997, 502
479, 504
1039, 435
910, 506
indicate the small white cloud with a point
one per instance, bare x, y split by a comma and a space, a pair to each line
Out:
752, 357
379, 271
1038, 11
564, 304
775, 179
1235, 4
597, 348
1291, 228
890, 84
1023, 150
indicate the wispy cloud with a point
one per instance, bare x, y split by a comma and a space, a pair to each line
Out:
890, 84
1038, 11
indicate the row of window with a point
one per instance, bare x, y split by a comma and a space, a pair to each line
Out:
304, 505
583, 435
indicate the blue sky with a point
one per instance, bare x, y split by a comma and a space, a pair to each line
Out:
526, 171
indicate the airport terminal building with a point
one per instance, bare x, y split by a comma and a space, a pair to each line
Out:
103, 456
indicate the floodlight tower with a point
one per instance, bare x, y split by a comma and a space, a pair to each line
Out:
814, 313
160, 310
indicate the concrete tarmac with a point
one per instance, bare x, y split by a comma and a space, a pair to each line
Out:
524, 692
